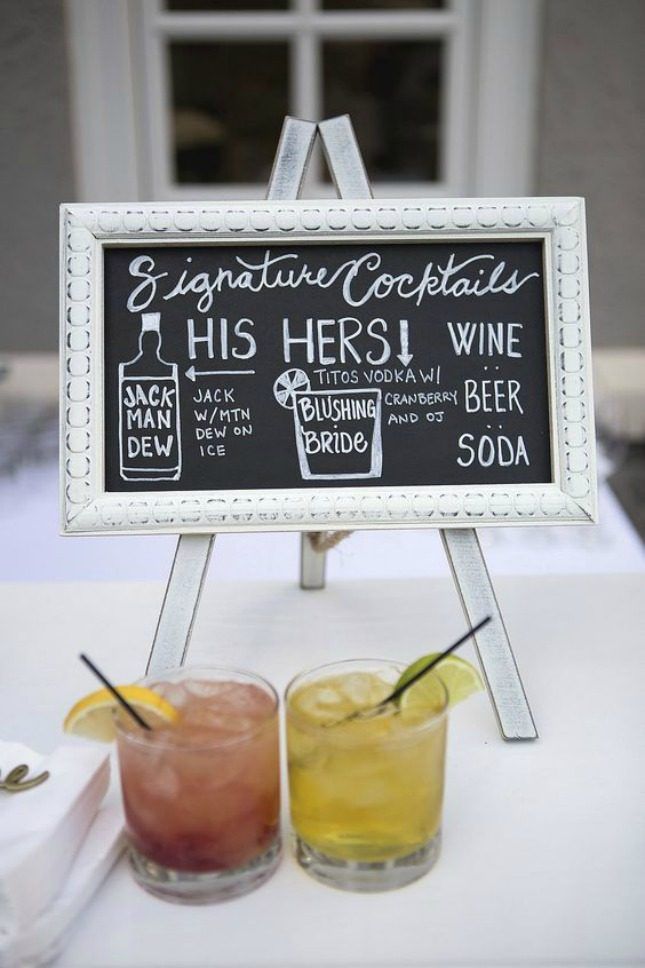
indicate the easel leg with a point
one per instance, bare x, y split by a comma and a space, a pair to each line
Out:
180, 602
312, 564
493, 647
344, 158
291, 158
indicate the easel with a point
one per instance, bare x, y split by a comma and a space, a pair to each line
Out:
462, 546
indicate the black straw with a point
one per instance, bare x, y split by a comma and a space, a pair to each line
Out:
361, 713
115, 692
433, 662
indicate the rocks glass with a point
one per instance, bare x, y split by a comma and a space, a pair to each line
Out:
202, 796
366, 793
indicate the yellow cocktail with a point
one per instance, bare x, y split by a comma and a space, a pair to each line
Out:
366, 793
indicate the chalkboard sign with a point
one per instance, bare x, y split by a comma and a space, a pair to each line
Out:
288, 365
258, 373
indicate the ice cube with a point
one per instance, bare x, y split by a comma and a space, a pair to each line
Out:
250, 699
205, 688
175, 692
308, 702
165, 783
327, 696
359, 687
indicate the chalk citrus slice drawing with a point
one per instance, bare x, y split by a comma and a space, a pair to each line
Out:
288, 384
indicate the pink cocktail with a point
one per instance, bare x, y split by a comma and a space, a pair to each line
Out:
202, 795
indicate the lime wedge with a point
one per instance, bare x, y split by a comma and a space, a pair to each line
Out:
421, 701
460, 678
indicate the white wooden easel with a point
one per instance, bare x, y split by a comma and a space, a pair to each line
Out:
462, 546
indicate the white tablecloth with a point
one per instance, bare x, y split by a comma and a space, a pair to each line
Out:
33, 550
544, 842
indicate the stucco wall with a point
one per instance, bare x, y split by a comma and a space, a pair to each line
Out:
35, 169
592, 143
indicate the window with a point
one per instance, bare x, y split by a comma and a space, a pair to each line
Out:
192, 93
220, 81
227, 100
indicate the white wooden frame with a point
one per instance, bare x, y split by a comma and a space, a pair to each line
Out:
119, 89
88, 508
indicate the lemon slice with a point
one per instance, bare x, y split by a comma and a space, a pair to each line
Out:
460, 678
92, 717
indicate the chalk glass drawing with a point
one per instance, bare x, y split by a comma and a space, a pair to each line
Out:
338, 432
149, 421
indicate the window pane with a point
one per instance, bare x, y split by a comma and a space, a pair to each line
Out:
229, 101
382, 4
227, 5
392, 91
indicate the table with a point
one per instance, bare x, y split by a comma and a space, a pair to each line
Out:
544, 842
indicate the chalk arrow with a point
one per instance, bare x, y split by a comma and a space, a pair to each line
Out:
192, 373
404, 356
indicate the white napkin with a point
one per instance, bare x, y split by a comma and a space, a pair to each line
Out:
43, 940
42, 829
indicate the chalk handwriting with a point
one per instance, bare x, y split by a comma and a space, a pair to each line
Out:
489, 449
359, 280
485, 339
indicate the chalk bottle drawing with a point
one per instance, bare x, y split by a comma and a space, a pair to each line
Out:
149, 425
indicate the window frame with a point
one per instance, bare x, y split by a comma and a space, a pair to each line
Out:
120, 103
